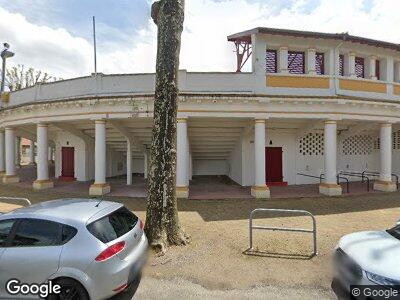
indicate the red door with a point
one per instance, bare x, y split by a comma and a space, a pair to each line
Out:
68, 157
273, 164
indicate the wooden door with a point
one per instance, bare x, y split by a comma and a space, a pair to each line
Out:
68, 162
273, 164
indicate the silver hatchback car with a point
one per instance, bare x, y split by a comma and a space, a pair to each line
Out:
92, 249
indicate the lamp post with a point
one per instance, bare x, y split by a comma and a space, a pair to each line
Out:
4, 55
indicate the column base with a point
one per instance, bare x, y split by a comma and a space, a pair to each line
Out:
99, 189
42, 184
182, 192
2, 174
260, 192
10, 179
330, 189
385, 186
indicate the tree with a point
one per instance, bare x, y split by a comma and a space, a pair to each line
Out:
18, 78
162, 222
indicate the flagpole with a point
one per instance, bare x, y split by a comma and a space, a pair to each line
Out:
94, 46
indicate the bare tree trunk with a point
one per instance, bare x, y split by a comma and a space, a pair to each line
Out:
162, 222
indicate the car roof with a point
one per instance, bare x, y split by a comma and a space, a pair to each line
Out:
68, 209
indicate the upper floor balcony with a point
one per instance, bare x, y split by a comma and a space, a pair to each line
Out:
283, 63
300, 62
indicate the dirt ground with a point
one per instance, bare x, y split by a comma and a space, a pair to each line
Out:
219, 234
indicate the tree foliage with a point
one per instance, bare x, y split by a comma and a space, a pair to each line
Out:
18, 77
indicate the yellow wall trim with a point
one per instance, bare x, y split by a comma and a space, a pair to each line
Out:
396, 89
313, 82
5, 97
363, 86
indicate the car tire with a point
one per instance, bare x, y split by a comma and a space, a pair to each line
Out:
69, 286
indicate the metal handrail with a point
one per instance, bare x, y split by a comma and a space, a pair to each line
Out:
338, 177
376, 174
355, 174
322, 176
307, 213
18, 199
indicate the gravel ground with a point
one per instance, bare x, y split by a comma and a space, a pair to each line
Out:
213, 264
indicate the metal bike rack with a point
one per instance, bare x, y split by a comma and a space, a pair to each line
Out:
17, 199
290, 211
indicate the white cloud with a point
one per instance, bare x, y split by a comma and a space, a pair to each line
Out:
204, 45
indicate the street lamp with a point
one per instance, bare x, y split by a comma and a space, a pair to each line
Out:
4, 55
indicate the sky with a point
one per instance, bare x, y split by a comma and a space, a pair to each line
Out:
55, 36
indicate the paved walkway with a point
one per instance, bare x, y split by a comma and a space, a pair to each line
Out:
201, 187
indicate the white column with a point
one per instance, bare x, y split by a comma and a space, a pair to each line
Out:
311, 61
371, 67
100, 187
128, 162
50, 154
260, 189
43, 181
11, 173
330, 187
350, 64
396, 70
18, 151
283, 60
31, 152
182, 189
385, 176
2, 154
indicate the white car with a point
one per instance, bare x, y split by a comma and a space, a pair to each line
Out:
368, 258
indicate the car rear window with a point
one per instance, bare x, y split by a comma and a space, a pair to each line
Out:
113, 225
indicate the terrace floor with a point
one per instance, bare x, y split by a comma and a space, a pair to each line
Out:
201, 187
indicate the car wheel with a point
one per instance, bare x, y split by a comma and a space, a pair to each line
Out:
70, 290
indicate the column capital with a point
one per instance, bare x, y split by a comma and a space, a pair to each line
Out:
352, 53
42, 125
259, 121
100, 121
181, 120
386, 124
330, 122
283, 48
373, 57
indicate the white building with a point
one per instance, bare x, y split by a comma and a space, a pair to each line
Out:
313, 103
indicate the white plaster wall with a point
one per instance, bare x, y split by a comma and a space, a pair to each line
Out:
235, 163
81, 160
114, 161
210, 167
287, 141
138, 165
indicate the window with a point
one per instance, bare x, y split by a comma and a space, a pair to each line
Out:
5, 228
377, 70
341, 65
359, 68
296, 62
34, 233
319, 63
113, 226
271, 61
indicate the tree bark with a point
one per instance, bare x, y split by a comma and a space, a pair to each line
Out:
162, 222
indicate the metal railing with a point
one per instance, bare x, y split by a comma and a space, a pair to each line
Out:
376, 174
304, 212
356, 174
320, 177
17, 199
